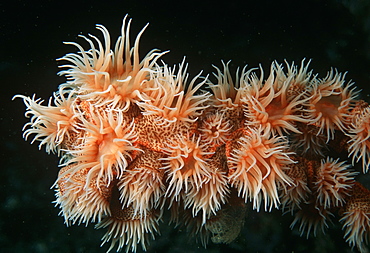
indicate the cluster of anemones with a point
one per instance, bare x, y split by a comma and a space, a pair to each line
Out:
136, 137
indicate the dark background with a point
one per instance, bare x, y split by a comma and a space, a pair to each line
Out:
331, 33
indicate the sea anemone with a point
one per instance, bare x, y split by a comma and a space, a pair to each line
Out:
108, 76
333, 182
311, 218
292, 196
52, 124
356, 217
226, 97
359, 133
267, 102
330, 104
142, 186
127, 228
174, 99
107, 147
213, 192
186, 165
226, 91
215, 128
309, 143
299, 79
150, 133
80, 202
256, 163
171, 110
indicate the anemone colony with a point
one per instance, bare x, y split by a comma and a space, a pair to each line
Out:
138, 137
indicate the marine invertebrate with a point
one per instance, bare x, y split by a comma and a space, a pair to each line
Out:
256, 165
106, 147
215, 128
294, 195
333, 182
269, 102
355, 217
126, 227
51, 125
137, 137
331, 103
309, 142
108, 76
359, 133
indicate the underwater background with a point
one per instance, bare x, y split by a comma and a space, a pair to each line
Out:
331, 33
